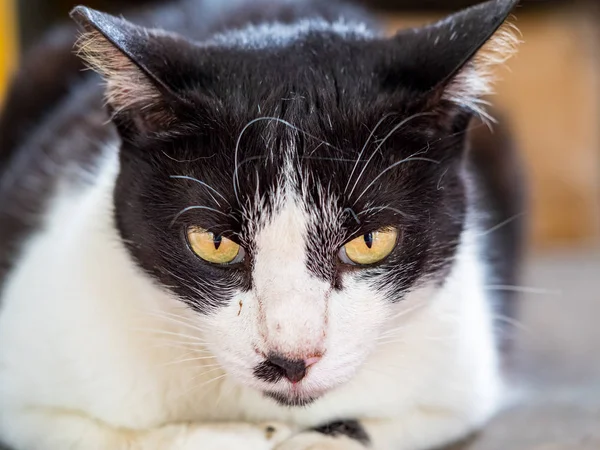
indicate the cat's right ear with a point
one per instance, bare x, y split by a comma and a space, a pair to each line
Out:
137, 64
453, 60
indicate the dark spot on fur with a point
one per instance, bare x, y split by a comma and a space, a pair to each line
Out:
349, 428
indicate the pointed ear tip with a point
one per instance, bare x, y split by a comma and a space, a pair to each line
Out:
85, 16
506, 5
79, 11
82, 15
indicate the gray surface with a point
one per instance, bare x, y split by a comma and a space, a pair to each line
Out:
556, 365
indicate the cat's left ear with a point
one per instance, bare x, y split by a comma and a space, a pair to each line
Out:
453, 59
140, 67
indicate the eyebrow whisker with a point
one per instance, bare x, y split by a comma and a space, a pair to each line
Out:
184, 177
190, 208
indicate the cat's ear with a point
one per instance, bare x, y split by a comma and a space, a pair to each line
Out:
137, 64
454, 58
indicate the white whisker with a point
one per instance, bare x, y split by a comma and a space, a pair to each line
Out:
523, 289
380, 144
183, 177
170, 333
501, 224
364, 147
239, 139
200, 358
190, 208
382, 208
397, 163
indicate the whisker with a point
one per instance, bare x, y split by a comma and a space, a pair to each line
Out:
198, 386
259, 119
371, 134
396, 128
381, 208
184, 345
188, 160
514, 323
200, 358
195, 180
231, 389
523, 289
170, 333
365, 146
501, 224
397, 163
386, 334
190, 208
236, 174
325, 158
352, 213
175, 318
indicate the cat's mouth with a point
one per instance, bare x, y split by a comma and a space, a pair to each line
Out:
293, 398
295, 394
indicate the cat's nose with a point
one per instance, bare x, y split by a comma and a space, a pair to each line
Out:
293, 369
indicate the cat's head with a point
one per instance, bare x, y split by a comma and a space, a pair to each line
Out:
292, 183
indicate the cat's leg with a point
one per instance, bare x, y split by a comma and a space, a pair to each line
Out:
58, 430
342, 435
421, 430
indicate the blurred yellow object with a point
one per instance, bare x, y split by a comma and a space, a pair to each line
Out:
8, 43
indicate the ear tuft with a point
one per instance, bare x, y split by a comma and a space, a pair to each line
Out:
118, 51
455, 59
127, 88
476, 79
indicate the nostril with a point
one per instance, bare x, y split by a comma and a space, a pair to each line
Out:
293, 370
312, 360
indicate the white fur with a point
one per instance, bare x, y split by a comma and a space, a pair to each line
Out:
94, 355
276, 34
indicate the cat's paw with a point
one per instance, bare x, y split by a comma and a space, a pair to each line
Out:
318, 441
233, 436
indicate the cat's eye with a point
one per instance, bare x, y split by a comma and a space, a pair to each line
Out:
370, 247
214, 248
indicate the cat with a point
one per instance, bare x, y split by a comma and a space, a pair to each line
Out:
271, 235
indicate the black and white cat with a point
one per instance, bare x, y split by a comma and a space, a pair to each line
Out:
271, 237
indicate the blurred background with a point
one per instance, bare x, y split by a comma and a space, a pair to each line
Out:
549, 95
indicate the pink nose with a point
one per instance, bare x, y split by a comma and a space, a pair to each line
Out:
312, 360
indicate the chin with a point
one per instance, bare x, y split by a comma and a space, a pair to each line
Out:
292, 399
297, 395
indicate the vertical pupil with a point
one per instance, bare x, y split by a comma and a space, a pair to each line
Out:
369, 239
217, 242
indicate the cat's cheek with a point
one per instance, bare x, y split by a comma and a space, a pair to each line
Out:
231, 335
356, 317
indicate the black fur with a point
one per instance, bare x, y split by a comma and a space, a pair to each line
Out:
277, 367
349, 428
269, 372
331, 99
291, 401
500, 182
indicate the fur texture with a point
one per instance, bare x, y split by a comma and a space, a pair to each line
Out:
290, 132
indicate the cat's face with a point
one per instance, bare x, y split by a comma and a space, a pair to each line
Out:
290, 246
289, 195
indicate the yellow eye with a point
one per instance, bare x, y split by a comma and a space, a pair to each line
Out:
370, 247
212, 248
